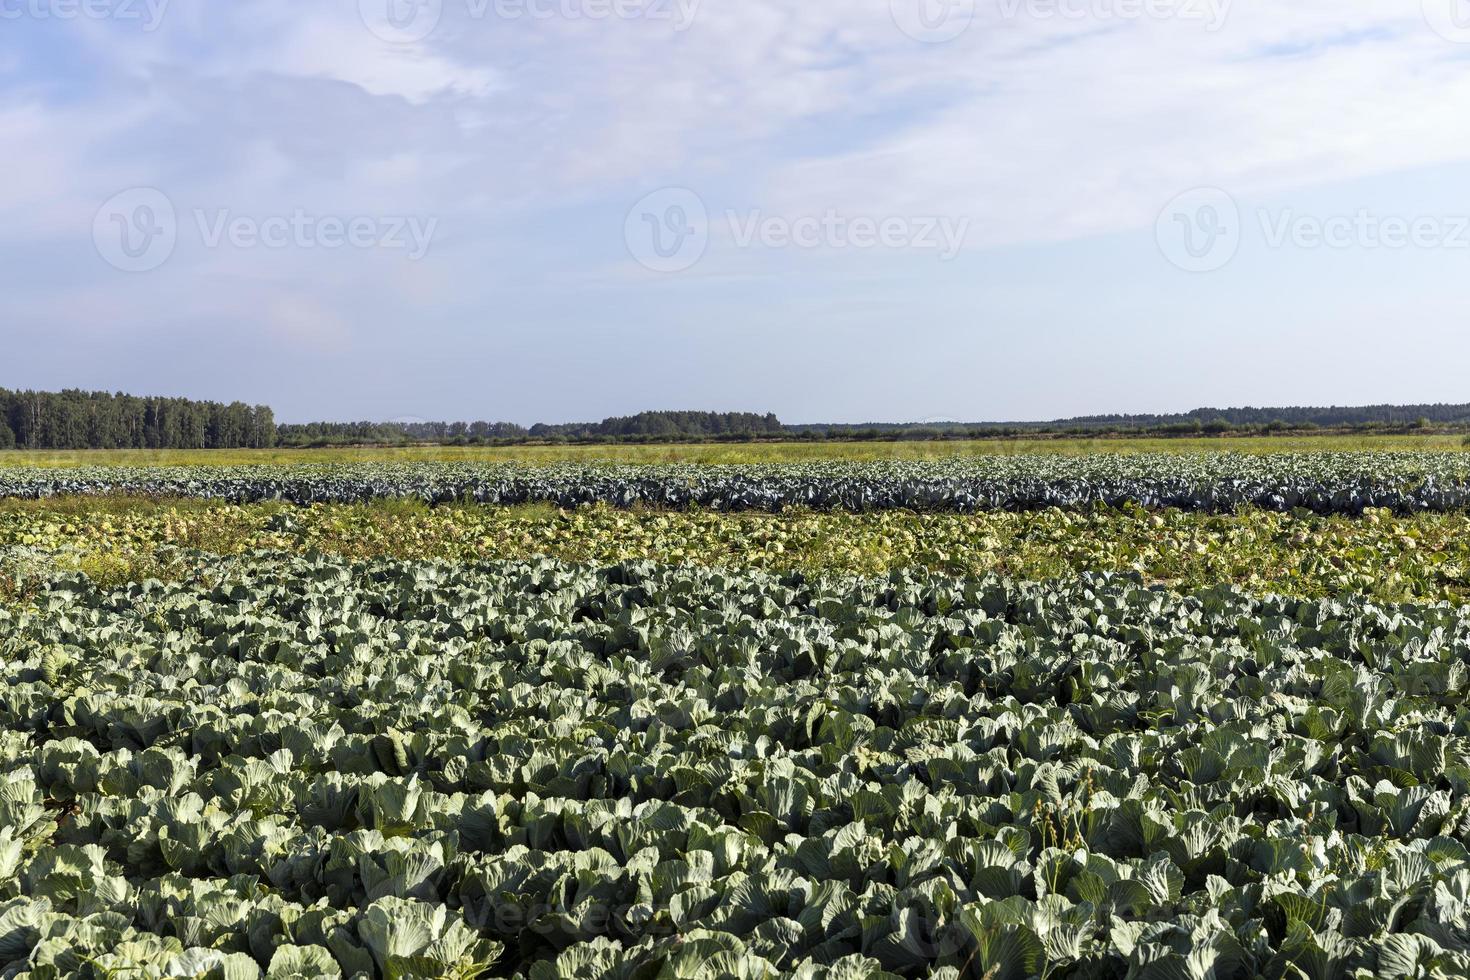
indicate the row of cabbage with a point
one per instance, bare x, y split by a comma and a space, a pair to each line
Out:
1394, 559
297, 767
1323, 482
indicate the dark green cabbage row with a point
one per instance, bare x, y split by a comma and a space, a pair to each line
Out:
305, 768
1325, 483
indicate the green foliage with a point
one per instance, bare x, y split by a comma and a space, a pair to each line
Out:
646, 426
303, 767
1314, 417
102, 420
252, 759
763, 452
1324, 483
120, 540
73, 420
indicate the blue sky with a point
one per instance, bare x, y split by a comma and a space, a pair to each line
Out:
898, 210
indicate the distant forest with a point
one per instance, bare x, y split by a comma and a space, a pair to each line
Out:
373, 433
101, 420
658, 425
1201, 421
646, 427
1322, 417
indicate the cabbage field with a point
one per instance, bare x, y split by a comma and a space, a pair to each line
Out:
842, 740
1348, 482
1392, 558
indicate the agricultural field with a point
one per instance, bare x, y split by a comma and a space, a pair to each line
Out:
120, 540
1156, 716
1344, 482
733, 453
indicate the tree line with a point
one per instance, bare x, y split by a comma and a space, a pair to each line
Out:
643, 427
1298, 416
668, 425
103, 420
394, 433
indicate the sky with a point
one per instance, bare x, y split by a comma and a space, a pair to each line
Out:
866, 210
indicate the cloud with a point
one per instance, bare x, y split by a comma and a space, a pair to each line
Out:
529, 138
1045, 142
1037, 126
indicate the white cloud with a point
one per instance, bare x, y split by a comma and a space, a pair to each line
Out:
314, 45
529, 139
1038, 128
1057, 140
